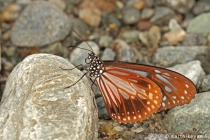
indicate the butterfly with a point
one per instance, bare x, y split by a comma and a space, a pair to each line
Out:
133, 92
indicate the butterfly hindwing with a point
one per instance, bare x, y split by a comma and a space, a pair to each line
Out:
129, 97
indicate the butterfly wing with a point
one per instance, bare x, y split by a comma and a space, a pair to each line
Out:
129, 97
176, 88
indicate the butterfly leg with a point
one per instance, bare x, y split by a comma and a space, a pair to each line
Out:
93, 83
73, 67
77, 80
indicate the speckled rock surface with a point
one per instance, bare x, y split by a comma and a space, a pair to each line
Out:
203, 84
195, 115
36, 105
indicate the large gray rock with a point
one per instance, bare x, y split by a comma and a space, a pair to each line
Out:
195, 115
36, 105
169, 56
41, 23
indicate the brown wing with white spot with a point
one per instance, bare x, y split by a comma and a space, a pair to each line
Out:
176, 88
129, 97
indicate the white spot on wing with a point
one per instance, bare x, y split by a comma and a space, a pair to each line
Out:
164, 98
167, 74
155, 101
187, 86
157, 71
150, 95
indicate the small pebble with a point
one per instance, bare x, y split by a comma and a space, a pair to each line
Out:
130, 36
130, 15
108, 54
90, 15
105, 41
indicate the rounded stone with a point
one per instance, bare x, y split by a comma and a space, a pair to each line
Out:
200, 24
80, 53
130, 15
41, 23
37, 105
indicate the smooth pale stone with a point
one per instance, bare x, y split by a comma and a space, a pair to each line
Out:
37, 106
191, 70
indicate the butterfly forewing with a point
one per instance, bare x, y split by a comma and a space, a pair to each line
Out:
176, 89
129, 97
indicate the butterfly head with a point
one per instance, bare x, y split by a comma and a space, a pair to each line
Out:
96, 65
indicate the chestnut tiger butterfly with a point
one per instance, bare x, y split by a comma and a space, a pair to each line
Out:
133, 92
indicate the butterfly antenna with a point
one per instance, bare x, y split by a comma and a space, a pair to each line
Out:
80, 48
84, 40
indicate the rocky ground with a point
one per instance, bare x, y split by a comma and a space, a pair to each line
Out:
163, 33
